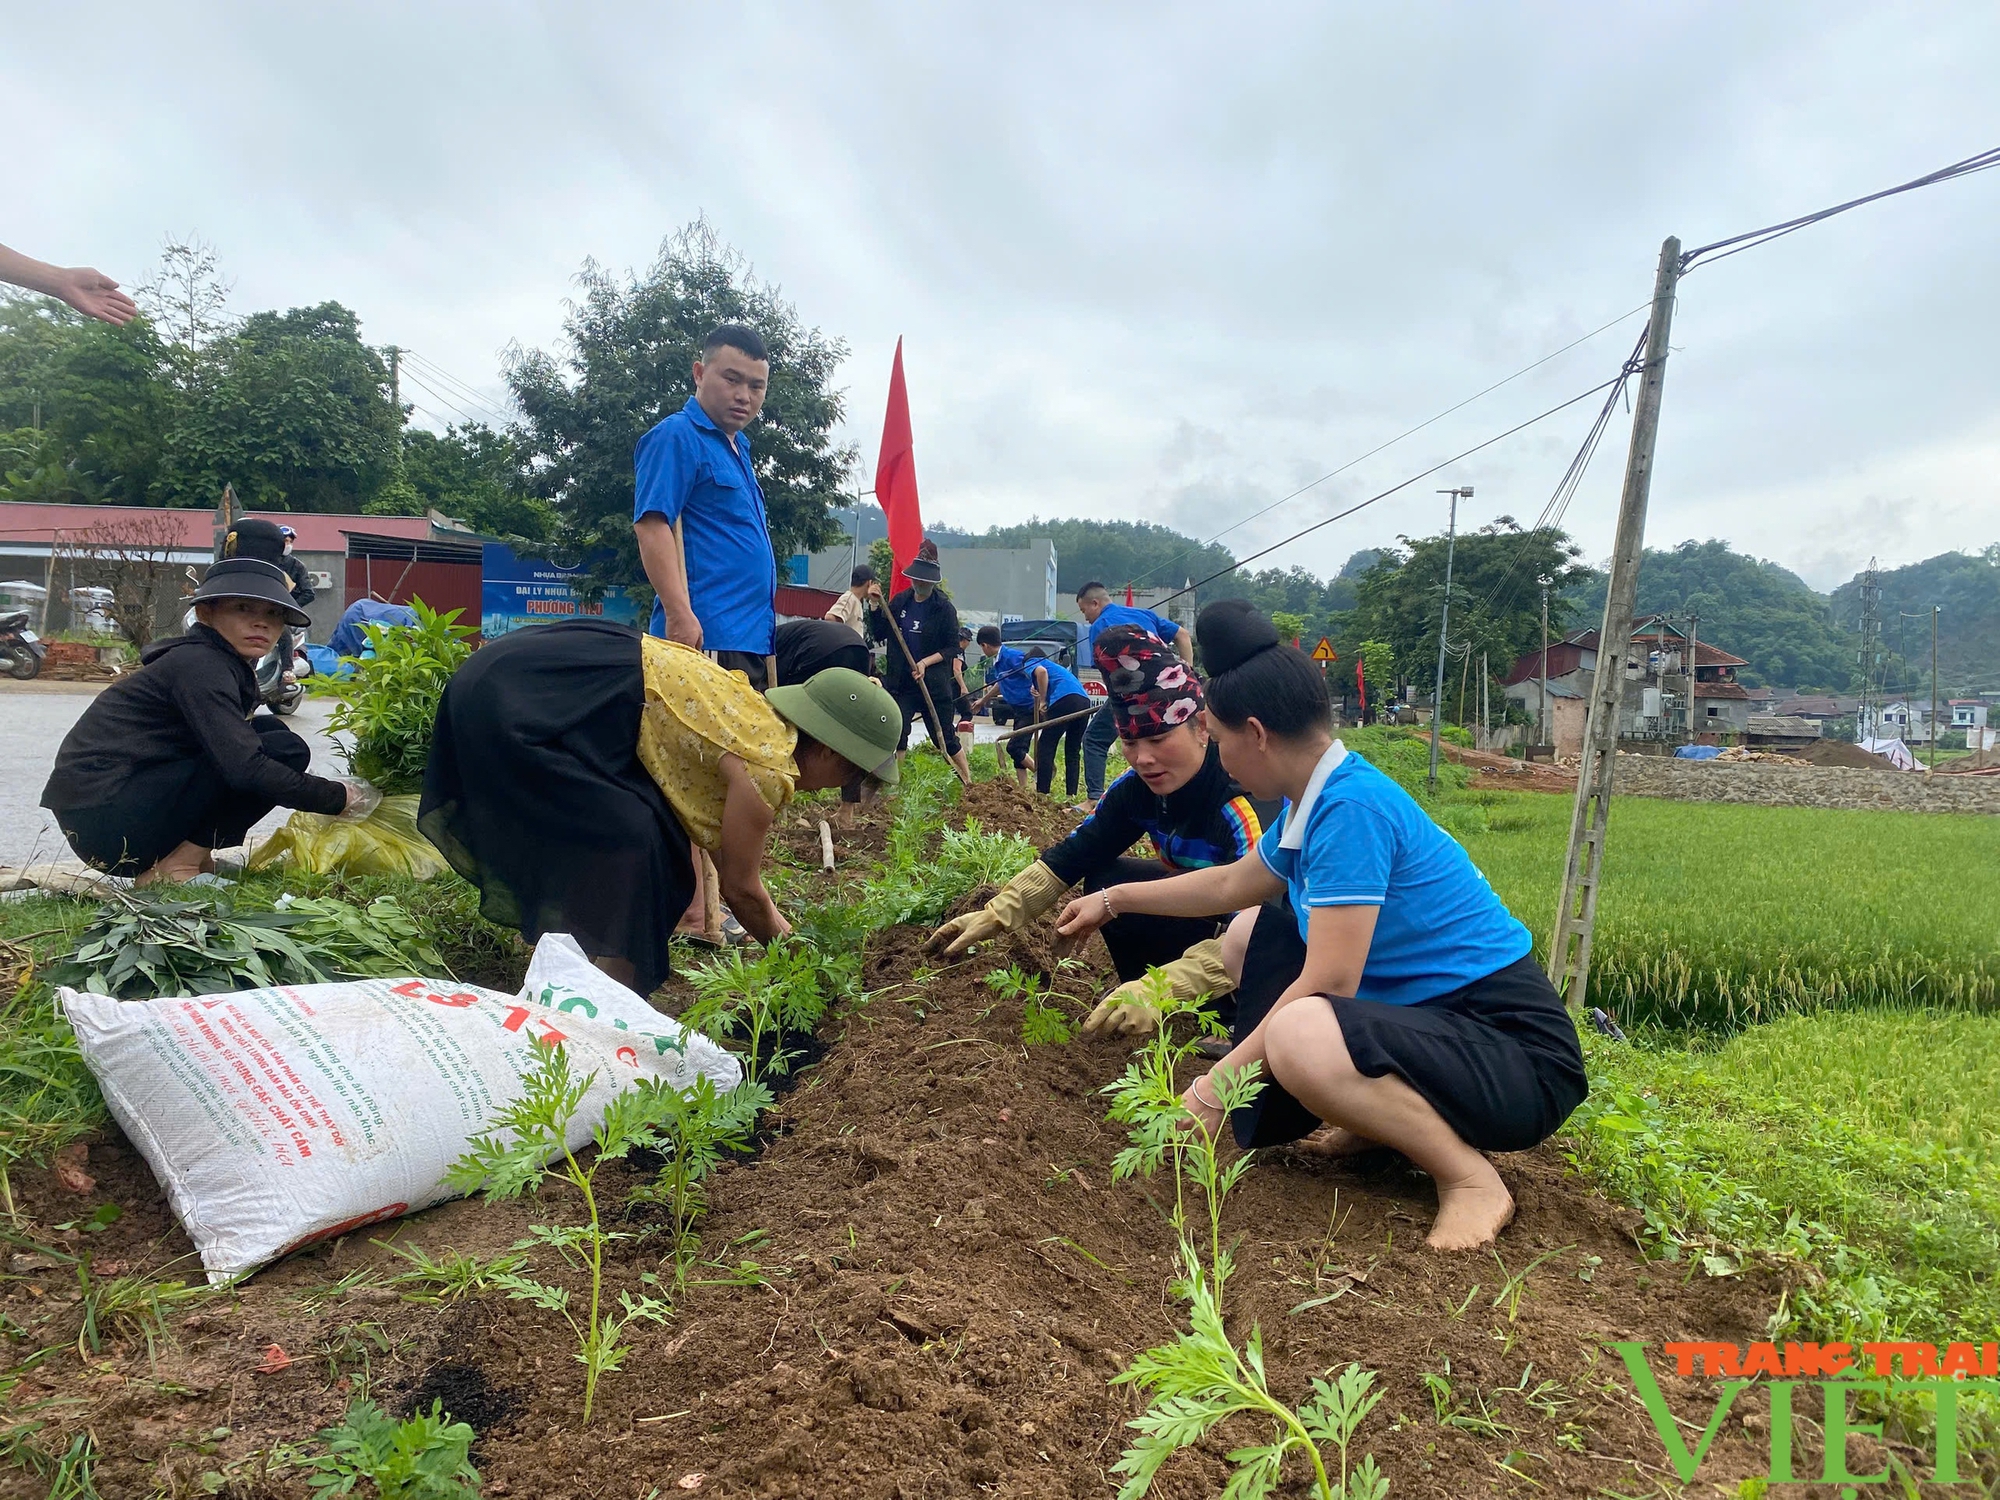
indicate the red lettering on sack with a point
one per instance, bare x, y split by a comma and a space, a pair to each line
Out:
346, 1226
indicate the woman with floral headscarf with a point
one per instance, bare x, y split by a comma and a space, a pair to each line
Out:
1178, 796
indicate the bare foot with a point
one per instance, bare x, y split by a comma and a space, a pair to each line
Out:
1336, 1141
1472, 1212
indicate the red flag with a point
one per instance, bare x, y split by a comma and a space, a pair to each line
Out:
1128, 596
1361, 683
896, 476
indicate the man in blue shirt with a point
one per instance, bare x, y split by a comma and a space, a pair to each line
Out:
720, 594
1093, 602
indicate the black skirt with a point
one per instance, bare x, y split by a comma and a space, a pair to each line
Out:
1498, 1060
534, 792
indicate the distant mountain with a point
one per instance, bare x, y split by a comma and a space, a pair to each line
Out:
1966, 589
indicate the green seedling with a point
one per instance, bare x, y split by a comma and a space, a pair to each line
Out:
528, 1144
1203, 1376
447, 1277
694, 1132
1514, 1285
1042, 1024
351, 1351
424, 1458
320, 1298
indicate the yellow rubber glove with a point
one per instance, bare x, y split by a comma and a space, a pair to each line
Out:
1127, 1010
1020, 901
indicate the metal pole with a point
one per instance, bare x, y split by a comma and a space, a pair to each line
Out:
1444, 626
1576, 915
1485, 719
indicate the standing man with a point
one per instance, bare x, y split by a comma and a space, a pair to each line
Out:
1093, 602
851, 608
720, 594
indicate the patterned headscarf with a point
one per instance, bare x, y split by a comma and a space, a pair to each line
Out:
1152, 690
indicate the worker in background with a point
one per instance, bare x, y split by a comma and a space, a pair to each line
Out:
694, 468
1382, 988
926, 619
1035, 690
1093, 602
851, 608
1177, 795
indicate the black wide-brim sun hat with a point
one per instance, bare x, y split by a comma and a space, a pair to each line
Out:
922, 570
249, 578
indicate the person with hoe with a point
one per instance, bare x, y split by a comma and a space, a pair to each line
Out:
1093, 602
1382, 988
575, 768
168, 765
919, 668
1178, 794
1035, 689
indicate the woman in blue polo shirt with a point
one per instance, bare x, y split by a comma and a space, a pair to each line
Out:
1036, 689
1383, 987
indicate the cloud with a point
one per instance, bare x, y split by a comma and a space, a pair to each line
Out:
1146, 266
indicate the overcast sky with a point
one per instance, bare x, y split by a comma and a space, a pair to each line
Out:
1150, 262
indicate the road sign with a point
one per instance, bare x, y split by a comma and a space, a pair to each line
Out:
1324, 651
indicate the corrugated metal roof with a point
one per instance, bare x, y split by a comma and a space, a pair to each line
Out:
24, 522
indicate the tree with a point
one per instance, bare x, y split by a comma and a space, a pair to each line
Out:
1966, 589
1495, 602
133, 558
82, 405
187, 298
1750, 608
475, 475
294, 410
629, 349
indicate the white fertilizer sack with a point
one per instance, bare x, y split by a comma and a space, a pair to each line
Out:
276, 1118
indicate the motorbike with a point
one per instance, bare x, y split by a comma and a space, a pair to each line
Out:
21, 650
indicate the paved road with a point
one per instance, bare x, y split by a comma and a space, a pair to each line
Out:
34, 717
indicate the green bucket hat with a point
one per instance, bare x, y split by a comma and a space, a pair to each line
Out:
850, 715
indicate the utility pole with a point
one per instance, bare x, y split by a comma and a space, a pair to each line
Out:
1464, 492
1485, 718
1542, 718
1871, 597
396, 381
1694, 655
1576, 916
1934, 718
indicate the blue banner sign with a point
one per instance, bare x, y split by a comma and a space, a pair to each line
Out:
517, 592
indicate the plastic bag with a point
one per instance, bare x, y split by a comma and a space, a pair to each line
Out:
277, 1118
386, 842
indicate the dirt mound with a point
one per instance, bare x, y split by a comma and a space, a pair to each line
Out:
1001, 806
1844, 753
945, 1278
1493, 770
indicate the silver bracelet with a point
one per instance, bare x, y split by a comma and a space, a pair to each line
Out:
1108, 912
1195, 1089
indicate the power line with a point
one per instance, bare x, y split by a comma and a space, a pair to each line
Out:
416, 380
1764, 236
1394, 488
464, 390
1159, 568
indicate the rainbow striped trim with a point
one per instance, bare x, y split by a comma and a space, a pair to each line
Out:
1244, 823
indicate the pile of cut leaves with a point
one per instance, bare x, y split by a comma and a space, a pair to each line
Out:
137, 949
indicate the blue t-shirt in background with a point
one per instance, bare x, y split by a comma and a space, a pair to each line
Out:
1127, 614
685, 469
1364, 841
1014, 670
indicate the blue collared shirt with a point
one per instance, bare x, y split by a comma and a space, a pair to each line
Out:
1127, 614
1014, 672
687, 471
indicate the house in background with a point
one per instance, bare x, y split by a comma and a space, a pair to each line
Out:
1653, 704
1905, 719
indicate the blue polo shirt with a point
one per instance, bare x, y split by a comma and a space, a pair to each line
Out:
1356, 838
687, 471
1127, 614
1014, 670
